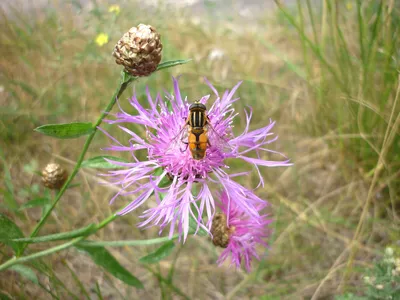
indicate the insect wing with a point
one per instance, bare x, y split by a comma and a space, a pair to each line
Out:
215, 139
180, 141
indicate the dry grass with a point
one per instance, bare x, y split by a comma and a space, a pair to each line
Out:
52, 72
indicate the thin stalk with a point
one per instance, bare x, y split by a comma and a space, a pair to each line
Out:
303, 43
388, 139
98, 291
312, 19
169, 284
126, 79
128, 242
76, 279
23, 259
314, 48
19, 260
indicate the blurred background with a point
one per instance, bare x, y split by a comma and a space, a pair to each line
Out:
326, 71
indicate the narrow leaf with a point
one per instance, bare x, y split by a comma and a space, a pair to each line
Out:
35, 203
172, 63
98, 291
25, 272
66, 131
57, 236
159, 254
100, 162
8, 231
104, 259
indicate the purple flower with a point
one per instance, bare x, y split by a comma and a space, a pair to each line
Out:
239, 233
188, 194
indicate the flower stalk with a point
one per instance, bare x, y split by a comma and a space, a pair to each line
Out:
126, 80
24, 259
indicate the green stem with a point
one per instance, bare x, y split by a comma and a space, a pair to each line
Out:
126, 79
19, 260
128, 242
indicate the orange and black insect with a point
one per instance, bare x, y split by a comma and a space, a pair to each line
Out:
197, 132
198, 125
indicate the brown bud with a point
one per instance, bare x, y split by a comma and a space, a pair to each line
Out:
139, 50
54, 176
220, 231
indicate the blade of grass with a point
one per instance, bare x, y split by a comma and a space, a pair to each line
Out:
98, 291
170, 285
303, 42
361, 31
76, 279
312, 19
314, 48
389, 135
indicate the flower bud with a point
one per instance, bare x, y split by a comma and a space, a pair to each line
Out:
139, 50
54, 176
220, 231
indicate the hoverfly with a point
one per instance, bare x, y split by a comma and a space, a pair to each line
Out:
197, 132
198, 124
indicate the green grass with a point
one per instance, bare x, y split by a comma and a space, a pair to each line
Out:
328, 75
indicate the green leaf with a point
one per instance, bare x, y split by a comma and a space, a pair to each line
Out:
57, 236
104, 259
8, 231
100, 162
25, 272
66, 131
159, 254
172, 63
35, 203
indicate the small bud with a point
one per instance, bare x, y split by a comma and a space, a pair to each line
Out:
220, 231
54, 176
139, 50
379, 286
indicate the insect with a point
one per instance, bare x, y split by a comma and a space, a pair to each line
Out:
197, 134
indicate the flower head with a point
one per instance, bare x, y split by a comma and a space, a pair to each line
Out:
101, 39
54, 176
139, 50
114, 9
167, 145
241, 233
